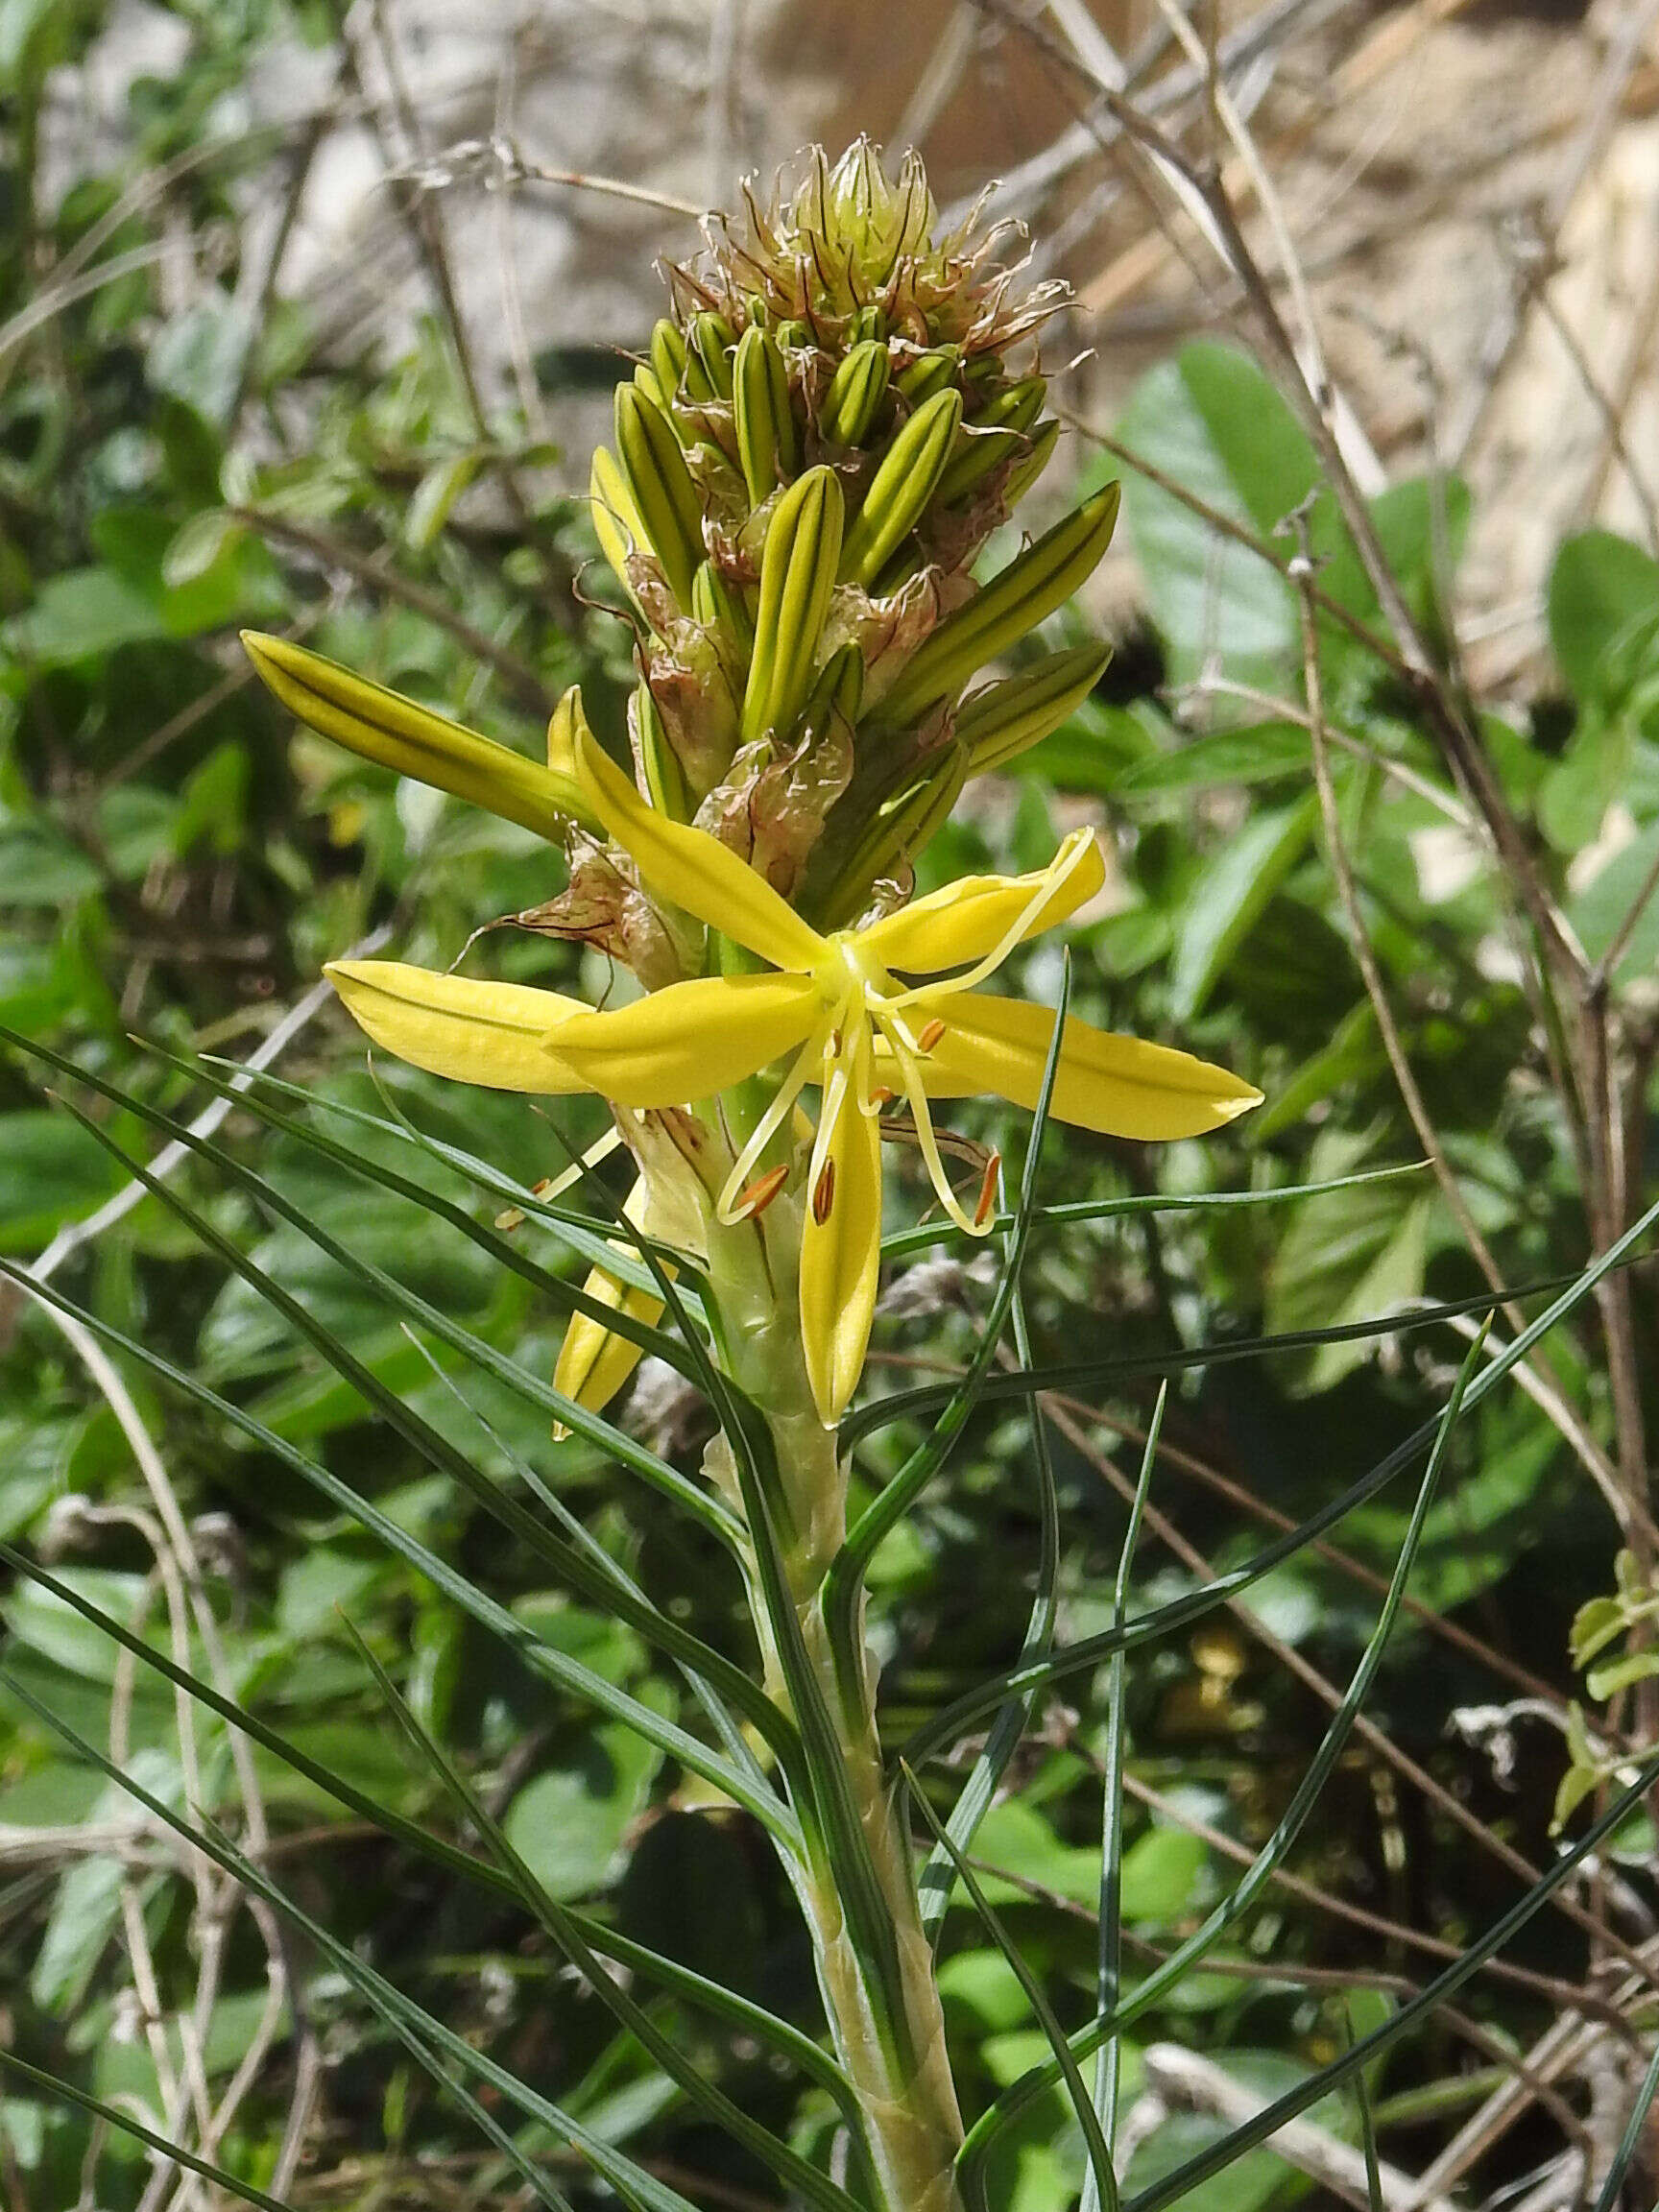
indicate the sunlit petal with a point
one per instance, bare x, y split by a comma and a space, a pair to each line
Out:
491, 1033
594, 1362
970, 919
694, 869
692, 1039
841, 1251
1119, 1086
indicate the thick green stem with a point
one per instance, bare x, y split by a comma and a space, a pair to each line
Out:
881, 1996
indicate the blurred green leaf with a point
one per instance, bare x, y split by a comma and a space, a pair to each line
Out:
568, 1822
1231, 890
1599, 587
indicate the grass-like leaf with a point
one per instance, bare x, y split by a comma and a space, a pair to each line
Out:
1074, 1211
568, 1674
1007, 1730
1101, 2169
1083, 1374
1412, 2012
562, 1927
1629, 2142
653, 1469
1180, 1962
124, 2123
682, 1981
426, 2039
574, 1566
1109, 1956
1147, 1627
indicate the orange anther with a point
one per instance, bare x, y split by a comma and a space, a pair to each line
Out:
760, 1194
930, 1036
987, 1190
823, 1194
881, 1095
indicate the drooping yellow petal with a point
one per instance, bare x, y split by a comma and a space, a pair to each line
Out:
384, 726
967, 920
593, 1361
841, 1251
694, 869
489, 1033
1121, 1086
692, 1039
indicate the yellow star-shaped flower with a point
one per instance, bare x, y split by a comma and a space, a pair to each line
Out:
832, 1011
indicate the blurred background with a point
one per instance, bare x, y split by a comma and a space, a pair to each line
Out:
309, 318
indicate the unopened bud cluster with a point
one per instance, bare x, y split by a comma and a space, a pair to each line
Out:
819, 442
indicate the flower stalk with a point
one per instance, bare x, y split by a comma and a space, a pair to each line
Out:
808, 464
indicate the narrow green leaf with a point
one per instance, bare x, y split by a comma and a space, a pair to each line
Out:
568, 1674
562, 1926
1180, 1962
1103, 2179
1108, 1956
1232, 891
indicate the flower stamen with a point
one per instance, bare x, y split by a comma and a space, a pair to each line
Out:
808, 1064
753, 1202
916, 1096
823, 1194
988, 1190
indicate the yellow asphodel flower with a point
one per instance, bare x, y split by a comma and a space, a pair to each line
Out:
831, 1011
835, 1011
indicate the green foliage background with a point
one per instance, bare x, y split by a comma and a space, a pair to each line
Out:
175, 862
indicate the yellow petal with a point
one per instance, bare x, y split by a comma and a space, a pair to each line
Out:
386, 728
489, 1033
690, 1040
968, 919
593, 1362
694, 869
616, 523
841, 1256
1119, 1086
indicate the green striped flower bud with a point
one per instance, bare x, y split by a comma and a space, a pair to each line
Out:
903, 487
1030, 466
1000, 430
932, 373
839, 688
901, 829
798, 569
718, 607
664, 781
667, 358
645, 382
1007, 719
855, 394
707, 358
1027, 592
768, 449
664, 495
394, 733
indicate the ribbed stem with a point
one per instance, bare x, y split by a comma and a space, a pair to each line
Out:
884, 2013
